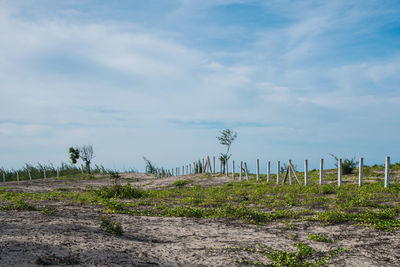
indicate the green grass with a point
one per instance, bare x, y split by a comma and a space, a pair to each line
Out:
305, 255
110, 226
372, 205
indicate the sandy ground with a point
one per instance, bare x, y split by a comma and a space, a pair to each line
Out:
73, 235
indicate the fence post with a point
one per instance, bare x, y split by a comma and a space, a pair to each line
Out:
17, 176
258, 170
241, 168
4, 177
247, 172
339, 181
387, 171
233, 170
29, 174
213, 164
268, 170
305, 172
58, 172
321, 171
220, 166
360, 172
278, 170
226, 167
290, 173
183, 170
44, 172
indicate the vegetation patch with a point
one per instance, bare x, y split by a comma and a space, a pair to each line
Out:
110, 226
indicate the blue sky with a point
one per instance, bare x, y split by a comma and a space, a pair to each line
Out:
295, 79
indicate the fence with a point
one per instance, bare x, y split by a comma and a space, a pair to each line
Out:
204, 166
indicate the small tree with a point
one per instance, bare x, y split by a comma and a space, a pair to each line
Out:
226, 138
73, 154
85, 153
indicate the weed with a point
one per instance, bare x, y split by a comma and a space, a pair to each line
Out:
181, 182
111, 227
53, 259
49, 211
119, 191
319, 238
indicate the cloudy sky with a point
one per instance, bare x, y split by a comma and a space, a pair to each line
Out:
295, 79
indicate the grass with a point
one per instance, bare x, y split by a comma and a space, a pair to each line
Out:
254, 202
305, 255
110, 226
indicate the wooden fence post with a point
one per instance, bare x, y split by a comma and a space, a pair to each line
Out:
321, 171
278, 169
226, 167
305, 172
233, 170
17, 176
220, 166
4, 177
268, 170
290, 173
258, 170
360, 172
58, 172
44, 172
387, 171
247, 173
339, 172
241, 168
213, 164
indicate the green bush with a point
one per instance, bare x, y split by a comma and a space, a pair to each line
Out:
119, 191
111, 227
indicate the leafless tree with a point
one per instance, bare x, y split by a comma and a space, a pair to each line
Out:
86, 154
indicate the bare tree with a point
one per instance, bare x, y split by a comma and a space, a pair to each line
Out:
86, 154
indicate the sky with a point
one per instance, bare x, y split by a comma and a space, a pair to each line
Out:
295, 79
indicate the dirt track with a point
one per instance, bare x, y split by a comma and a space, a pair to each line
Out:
73, 235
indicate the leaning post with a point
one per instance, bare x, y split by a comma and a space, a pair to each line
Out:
241, 168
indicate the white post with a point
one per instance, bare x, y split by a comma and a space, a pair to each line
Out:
220, 166
278, 167
58, 172
360, 172
17, 176
190, 168
226, 167
305, 172
214, 164
81, 169
339, 179
290, 173
4, 177
202, 169
44, 172
268, 170
387, 170
183, 170
29, 174
321, 171
258, 170
241, 168
233, 170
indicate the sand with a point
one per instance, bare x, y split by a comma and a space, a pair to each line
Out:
73, 235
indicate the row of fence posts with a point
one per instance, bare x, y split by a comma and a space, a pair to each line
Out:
30, 176
204, 166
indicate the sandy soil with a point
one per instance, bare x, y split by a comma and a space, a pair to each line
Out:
74, 235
